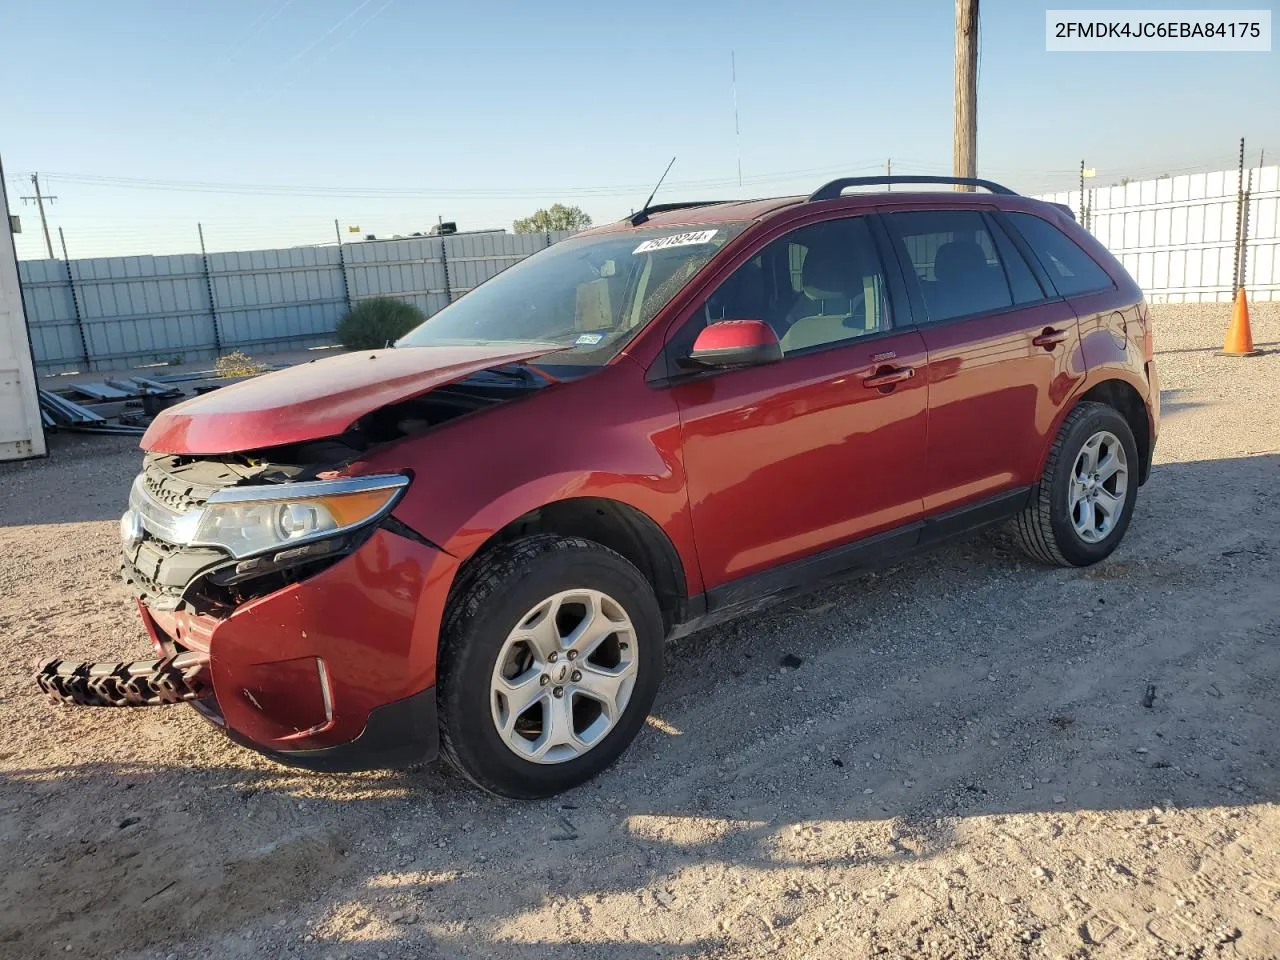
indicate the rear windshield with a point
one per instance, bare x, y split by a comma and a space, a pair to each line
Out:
588, 295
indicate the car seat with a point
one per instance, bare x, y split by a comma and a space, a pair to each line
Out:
832, 303
964, 282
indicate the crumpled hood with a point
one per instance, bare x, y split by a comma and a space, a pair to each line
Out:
318, 399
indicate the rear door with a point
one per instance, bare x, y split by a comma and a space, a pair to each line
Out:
1003, 348
790, 459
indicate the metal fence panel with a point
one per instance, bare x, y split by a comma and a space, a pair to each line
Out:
51, 315
411, 270
134, 310
1176, 235
288, 297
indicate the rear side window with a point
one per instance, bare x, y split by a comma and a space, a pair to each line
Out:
1071, 269
955, 260
1026, 288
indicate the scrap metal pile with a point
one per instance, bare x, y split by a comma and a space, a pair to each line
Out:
121, 406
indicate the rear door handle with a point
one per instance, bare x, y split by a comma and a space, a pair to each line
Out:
1050, 338
889, 377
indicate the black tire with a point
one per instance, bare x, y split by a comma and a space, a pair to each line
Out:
498, 589
1044, 529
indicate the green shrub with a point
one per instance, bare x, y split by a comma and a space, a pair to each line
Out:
374, 323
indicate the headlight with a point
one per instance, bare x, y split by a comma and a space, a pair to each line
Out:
249, 520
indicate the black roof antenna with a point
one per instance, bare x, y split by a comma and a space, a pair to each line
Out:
643, 214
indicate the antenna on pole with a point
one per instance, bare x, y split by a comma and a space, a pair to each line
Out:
40, 198
658, 184
737, 132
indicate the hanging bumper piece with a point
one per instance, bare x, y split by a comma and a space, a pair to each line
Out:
142, 683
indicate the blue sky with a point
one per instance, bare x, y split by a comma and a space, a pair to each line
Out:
482, 112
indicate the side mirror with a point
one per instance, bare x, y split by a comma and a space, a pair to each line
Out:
735, 343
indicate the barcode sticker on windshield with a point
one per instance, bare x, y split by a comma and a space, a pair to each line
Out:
677, 240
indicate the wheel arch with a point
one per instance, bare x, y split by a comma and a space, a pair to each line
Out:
621, 527
1124, 397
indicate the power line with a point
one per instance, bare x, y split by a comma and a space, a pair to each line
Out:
361, 25
263, 20
301, 54
475, 193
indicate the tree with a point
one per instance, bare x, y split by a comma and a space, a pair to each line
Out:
557, 217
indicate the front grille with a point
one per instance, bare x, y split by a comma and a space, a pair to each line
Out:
171, 492
158, 572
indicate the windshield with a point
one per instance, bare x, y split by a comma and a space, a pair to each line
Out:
589, 294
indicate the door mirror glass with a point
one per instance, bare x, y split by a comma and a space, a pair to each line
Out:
735, 343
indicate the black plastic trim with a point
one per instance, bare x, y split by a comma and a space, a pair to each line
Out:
901, 310
396, 734
758, 589
393, 524
832, 190
735, 358
811, 570
973, 516
640, 216
1014, 236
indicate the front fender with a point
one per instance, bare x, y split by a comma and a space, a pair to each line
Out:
607, 435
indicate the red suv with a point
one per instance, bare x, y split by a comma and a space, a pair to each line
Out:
480, 540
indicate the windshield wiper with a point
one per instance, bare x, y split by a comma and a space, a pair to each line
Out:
518, 373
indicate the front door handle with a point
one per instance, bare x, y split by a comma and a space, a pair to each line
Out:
887, 378
1050, 338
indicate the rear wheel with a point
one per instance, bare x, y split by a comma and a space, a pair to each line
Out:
1082, 506
550, 660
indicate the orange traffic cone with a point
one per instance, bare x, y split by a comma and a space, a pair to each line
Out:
1239, 342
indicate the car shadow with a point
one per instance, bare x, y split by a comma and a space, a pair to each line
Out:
961, 687
1265, 347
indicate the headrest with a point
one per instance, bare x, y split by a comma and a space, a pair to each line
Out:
828, 271
956, 259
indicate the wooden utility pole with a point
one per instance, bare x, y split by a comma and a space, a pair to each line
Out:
964, 151
40, 198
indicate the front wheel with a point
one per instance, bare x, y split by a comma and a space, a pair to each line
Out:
1081, 507
550, 660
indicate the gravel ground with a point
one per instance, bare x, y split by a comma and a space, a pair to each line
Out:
962, 766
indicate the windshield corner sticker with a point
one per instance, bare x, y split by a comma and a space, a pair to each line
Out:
676, 240
588, 339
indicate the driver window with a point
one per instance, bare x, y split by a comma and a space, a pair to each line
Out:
817, 286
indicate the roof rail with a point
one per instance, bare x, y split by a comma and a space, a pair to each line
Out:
640, 216
829, 191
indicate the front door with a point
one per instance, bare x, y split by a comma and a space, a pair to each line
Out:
824, 447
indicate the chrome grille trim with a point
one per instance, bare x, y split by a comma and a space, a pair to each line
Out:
159, 520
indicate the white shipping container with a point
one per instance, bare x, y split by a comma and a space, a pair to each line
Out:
21, 433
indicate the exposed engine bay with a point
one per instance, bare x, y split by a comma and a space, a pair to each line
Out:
207, 579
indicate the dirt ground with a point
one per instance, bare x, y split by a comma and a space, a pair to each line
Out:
962, 766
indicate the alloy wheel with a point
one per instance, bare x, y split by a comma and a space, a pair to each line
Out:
1099, 482
564, 676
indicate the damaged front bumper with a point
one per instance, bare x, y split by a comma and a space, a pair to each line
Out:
328, 665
